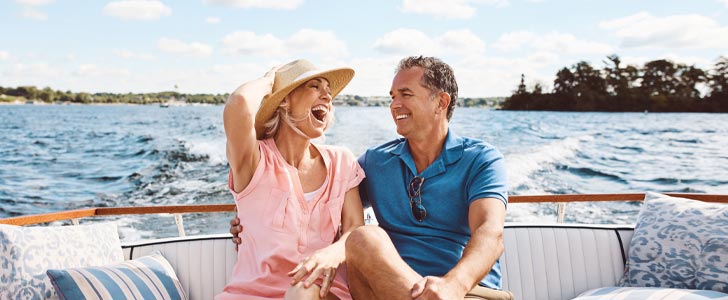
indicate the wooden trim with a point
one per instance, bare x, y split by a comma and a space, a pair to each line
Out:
208, 208
49, 217
168, 209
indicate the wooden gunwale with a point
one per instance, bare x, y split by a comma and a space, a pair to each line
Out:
209, 208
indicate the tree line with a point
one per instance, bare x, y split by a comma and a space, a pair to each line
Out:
660, 86
49, 95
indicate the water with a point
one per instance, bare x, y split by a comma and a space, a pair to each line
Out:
56, 158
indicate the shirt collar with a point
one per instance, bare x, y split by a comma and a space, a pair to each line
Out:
452, 152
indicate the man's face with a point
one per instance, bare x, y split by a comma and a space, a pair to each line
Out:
413, 108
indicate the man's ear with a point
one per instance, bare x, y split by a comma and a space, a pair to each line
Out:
444, 100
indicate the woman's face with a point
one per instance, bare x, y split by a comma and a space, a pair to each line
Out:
311, 107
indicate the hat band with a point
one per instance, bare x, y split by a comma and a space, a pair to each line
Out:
306, 74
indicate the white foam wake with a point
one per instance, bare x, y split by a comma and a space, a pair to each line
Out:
214, 149
521, 166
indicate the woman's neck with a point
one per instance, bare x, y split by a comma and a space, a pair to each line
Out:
293, 147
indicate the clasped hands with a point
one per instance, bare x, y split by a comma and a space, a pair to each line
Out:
321, 263
437, 288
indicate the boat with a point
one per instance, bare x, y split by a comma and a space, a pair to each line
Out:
545, 261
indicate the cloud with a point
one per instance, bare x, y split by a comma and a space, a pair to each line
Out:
462, 42
137, 9
213, 20
557, 42
725, 2
317, 42
179, 47
645, 31
4, 55
132, 55
324, 43
33, 14
272, 4
34, 2
250, 43
33, 71
405, 41
454, 9
91, 70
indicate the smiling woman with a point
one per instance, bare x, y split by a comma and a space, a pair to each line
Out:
293, 197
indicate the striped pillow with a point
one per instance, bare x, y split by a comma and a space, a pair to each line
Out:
148, 277
649, 293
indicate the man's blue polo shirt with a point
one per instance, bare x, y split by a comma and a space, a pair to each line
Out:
467, 170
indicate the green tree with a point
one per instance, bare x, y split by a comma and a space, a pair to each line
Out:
659, 78
565, 82
522, 86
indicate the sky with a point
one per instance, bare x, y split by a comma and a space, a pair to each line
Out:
212, 46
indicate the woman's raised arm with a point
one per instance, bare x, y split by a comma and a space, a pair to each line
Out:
243, 152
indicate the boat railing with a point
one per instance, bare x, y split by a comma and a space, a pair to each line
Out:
179, 210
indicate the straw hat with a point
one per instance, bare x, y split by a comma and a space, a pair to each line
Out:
289, 77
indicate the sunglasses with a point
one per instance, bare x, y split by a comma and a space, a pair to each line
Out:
415, 195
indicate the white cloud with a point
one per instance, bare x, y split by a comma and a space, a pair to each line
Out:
324, 43
179, 47
557, 42
137, 9
569, 44
453, 9
213, 20
273, 4
91, 70
725, 2
33, 14
512, 41
4, 55
406, 41
693, 31
21, 71
132, 55
34, 2
250, 43
318, 42
461, 41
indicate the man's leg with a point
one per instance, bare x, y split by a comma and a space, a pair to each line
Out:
374, 268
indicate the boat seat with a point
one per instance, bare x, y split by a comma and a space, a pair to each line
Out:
541, 262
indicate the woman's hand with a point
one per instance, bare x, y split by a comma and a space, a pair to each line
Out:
322, 263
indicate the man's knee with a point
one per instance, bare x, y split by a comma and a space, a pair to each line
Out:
366, 238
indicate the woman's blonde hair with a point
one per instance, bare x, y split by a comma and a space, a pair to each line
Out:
273, 125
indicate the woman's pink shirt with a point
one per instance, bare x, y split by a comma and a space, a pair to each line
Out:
281, 228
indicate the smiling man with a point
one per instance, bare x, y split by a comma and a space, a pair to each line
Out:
440, 200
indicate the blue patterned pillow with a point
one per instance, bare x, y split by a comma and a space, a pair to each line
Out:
679, 243
644, 293
148, 277
27, 252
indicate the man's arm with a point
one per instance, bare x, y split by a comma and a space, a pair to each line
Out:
486, 218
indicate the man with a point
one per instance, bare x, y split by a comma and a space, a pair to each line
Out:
440, 200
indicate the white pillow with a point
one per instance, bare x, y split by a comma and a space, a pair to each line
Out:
679, 243
27, 252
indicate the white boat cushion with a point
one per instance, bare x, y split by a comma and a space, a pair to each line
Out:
27, 252
679, 243
644, 293
147, 277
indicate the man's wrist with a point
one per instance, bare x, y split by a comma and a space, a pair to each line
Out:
462, 283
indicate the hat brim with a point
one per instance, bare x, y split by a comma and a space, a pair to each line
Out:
338, 79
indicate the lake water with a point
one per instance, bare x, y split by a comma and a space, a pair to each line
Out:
57, 157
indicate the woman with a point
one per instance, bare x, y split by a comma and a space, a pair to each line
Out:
291, 195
